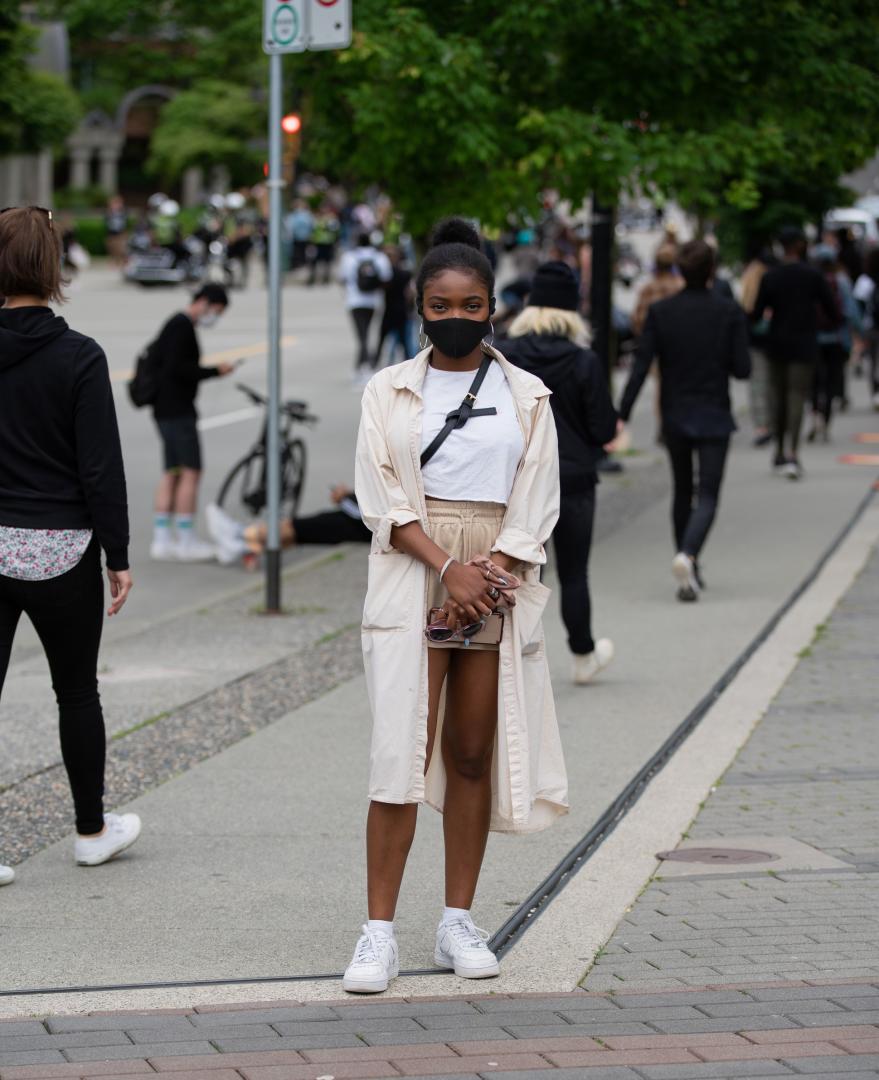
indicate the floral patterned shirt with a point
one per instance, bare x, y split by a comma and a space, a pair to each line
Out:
40, 554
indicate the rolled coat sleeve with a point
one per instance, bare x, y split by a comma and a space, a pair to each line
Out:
380, 495
533, 508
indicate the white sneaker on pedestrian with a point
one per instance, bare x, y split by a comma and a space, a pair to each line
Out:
588, 665
793, 470
194, 550
227, 534
462, 946
120, 833
164, 550
685, 574
7, 875
376, 961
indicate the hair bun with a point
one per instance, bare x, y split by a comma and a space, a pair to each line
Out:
455, 230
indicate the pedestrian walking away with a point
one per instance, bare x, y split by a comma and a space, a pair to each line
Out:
758, 385
549, 339
363, 271
700, 340
834, 342
178, 375
396, 323
62, 500
867, 299
457, 477
793, 293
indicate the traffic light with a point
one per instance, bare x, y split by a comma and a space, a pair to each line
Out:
291, 125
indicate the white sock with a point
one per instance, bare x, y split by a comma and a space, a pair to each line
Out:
161, 528
450, 913
183, 524
381, 926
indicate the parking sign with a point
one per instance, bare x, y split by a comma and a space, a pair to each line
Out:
284, 26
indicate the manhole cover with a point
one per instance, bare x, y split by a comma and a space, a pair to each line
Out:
716, 855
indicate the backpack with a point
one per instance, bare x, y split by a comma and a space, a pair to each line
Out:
143, 387
824, 323
368, 279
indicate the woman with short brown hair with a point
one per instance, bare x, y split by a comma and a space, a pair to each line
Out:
62, 499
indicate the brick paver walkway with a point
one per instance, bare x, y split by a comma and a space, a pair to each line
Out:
786, 1030
810, 773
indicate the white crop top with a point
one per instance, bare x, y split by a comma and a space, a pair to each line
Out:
478, 462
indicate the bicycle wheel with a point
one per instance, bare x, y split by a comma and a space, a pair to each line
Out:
245, 488
293, 464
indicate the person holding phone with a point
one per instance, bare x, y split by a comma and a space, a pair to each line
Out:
457, 477
180, 375
62, 501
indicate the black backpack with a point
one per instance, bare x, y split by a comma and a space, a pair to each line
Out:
368, 279
143, 388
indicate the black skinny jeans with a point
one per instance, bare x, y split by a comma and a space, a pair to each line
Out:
692, 521
573, 540
362, 318
67, 614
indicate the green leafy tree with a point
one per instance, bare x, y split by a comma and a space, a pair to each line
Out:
212, 123
36, 109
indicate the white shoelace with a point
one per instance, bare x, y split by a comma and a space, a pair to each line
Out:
465, 933
368, 947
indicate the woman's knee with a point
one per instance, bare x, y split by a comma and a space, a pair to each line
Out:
470, 762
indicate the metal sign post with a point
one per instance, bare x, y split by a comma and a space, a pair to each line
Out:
286, 29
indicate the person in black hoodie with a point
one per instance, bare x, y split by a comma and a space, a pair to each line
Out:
699, 339
548, 339
62, 499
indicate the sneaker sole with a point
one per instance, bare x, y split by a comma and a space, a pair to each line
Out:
683, 575
95, 861
466, 973
363, 986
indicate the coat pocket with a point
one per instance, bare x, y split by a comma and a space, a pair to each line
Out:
390, 591
531, 600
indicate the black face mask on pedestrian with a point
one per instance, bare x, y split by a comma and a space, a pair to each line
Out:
457, 337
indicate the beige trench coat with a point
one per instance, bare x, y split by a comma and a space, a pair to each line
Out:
529, 780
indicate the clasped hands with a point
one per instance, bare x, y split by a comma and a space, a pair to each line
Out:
475, 589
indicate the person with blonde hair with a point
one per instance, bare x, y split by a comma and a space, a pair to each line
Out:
549, 340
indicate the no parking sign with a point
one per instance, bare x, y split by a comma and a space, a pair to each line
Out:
329, 24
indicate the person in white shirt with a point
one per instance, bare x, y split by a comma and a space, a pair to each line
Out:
363, 271
457, 477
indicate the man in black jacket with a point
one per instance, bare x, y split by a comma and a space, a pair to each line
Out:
180, 374
699, 339
547, 340
793, 292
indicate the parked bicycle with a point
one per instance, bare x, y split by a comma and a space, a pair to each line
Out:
246, 486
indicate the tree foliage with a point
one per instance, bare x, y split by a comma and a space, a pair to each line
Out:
36, 109
212, 123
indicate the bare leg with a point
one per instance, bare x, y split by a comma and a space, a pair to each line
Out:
165, 492
390, 828
467, 746
186, 495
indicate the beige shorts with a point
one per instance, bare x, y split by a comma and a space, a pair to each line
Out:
463, 529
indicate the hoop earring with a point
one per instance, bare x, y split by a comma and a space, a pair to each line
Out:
422, 337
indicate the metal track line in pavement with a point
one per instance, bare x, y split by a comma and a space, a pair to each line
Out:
524, 916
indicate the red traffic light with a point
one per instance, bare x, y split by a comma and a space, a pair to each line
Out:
291, 123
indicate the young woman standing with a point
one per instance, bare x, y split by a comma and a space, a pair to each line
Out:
62, 499
459, 524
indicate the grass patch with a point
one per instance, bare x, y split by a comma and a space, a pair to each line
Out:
333, 634
150, 720
820, 633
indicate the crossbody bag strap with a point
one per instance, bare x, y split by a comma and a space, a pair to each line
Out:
458, 417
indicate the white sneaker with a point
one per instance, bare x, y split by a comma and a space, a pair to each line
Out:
462, 946
226, 533
793, 470
685, 574
120, 833
164, 550
588, 665
7, 875
194, 550
376, 961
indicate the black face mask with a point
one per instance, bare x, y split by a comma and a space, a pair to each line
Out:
457, 337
